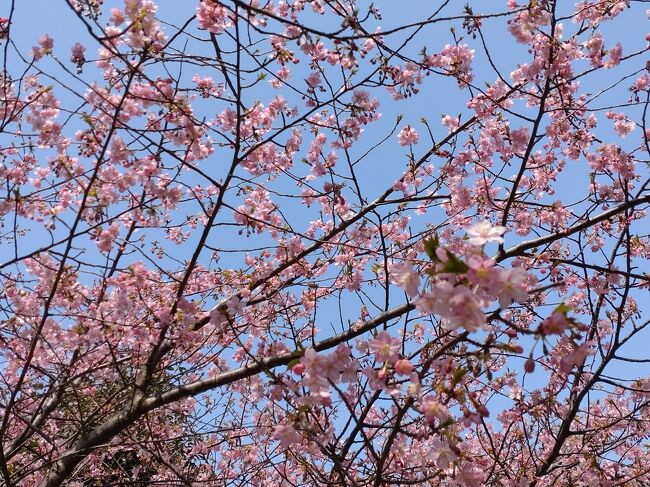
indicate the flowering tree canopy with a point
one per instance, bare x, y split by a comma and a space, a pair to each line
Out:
241, 244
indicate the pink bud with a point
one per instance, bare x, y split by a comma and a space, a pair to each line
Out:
403, 367
298, 369
516, 348
529, 366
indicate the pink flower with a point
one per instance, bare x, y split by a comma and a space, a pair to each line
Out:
213, 16
529, 365
615, 56
555, 324
432, 410
376, 378
314, 80
436, 300
46, 42
4, 27
595, 47
622, 125
235, 305
225, 309
78, 52
452, 123
458, 305
105, 240
483, 232
442, 454
471, 476
511, 287
78, 56
404, 276
482, 271
286, 434
403, 367
408, 136
117, 16
385, 347
217, 316
457, 60
298, 369
575, 358
465, 309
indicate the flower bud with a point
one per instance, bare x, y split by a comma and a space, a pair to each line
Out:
529, 366
298, 369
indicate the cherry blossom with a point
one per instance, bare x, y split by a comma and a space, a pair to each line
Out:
555, 324
228, 256
408, 136
433, 410
286, 435
405, 277
484, 232
511, 287
385, 347
403, 367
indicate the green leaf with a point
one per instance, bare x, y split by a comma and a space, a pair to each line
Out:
293, 363
297, 354
563, 308
430, 246
447, 423
459, 374
454, 265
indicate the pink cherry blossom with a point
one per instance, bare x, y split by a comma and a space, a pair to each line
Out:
106, 238
405, 277
511, 286
314, 79
529, 365
482, 271
484, 232
286, 435
433, 410
403, 367
46, 43
117, 16
465, 309
227, 259
408, 136
576, 357
435, 300
213, 16
442, 454
555, 324
385, 347
622, 125
4, 28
